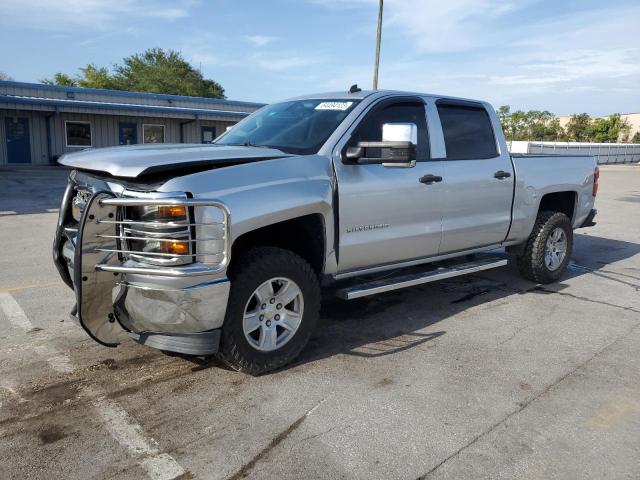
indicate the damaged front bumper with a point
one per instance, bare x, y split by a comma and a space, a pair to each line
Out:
176, 308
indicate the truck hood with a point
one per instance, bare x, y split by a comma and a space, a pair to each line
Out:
133, 161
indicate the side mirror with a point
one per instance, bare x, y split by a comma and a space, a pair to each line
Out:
397, 148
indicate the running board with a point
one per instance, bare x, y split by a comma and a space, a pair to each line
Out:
433, 275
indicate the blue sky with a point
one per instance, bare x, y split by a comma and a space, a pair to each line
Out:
565, 56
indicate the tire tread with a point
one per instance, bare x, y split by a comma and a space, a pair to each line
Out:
531, 261
259, 262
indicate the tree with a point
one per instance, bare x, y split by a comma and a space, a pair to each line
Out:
61, 79
636, 137
531, 125
610, 129
155, 70
97, 77
579, 127
4, 76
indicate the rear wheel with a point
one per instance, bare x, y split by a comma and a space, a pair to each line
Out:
548, 249
272, 311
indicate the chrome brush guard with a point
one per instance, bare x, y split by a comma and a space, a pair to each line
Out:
103, 259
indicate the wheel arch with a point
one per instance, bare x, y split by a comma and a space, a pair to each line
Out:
562, 201
303, 235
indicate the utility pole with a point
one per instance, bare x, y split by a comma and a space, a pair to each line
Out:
377, 64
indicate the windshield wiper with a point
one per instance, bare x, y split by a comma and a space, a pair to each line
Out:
248, 144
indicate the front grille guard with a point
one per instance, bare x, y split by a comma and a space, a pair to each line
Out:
212, 262
98, 256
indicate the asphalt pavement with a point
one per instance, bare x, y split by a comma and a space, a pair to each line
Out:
485, 376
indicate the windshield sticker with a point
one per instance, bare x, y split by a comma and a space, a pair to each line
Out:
341, 106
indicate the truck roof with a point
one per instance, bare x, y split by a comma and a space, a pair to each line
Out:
367, 93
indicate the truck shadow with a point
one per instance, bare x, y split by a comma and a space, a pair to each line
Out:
404, 319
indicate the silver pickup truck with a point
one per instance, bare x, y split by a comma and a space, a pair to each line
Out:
225, 248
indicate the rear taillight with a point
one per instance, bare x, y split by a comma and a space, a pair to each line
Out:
596, 179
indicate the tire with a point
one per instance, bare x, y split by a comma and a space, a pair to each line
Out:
277, 268
533, 262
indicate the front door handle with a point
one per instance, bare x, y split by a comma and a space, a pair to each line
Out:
429, 179
501, 174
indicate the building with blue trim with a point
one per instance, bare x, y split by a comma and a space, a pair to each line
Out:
39, 123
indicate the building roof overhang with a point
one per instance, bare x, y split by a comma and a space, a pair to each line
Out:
70, 105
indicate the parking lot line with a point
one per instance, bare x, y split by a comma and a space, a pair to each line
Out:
14, 312
26, 287
122, 427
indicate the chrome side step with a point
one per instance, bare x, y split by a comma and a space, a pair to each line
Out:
409, 280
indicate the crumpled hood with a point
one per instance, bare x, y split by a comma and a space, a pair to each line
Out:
135, 160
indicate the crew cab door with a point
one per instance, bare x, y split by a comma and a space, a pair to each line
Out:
386, 214
478, 178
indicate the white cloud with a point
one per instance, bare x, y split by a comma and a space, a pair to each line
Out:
443, 26
343, 4
436, 25
586, 60
260, 40
59, 15
282, 61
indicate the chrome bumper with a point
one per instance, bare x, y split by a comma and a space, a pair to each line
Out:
191, 309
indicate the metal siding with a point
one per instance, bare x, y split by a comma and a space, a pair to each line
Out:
604, 153
59, 92
3, 140
75, 103
105, 122
38, 140
192, 131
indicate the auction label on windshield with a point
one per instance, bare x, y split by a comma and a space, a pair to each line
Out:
334, 106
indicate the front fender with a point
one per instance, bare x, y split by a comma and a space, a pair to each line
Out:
268, 192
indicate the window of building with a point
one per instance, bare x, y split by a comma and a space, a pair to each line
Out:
78, 134
152, 133
208, 134
467, 130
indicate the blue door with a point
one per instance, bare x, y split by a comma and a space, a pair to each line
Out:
18, 144
207, 134
128, 133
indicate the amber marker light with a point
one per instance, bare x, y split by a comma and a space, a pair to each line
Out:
172, 211
175, 248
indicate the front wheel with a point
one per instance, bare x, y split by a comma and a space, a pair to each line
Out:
548, 249
273, 307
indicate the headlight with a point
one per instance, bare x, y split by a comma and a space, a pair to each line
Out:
173, 235
168, 231
159, 234
79, 203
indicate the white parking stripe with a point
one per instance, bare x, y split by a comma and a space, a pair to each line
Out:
14, 312
159, 466
129, 434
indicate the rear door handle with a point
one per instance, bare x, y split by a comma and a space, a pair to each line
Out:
501, 174
429, 179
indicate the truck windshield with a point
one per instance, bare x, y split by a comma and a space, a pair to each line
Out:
299, 126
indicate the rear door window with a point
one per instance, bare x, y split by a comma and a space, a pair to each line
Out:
468, 134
